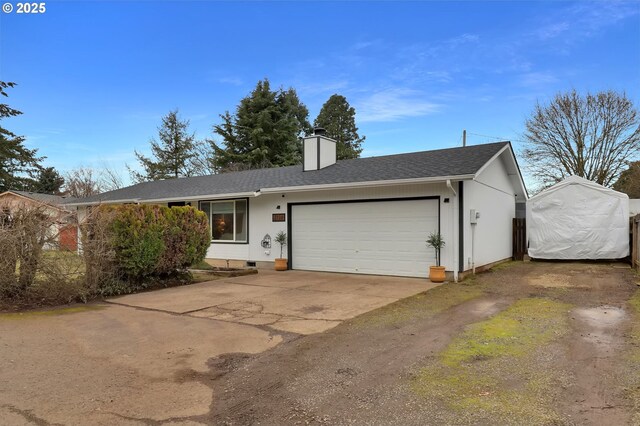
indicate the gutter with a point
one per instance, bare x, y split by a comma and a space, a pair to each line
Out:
164, 200
297, 188
91, 203
304, 188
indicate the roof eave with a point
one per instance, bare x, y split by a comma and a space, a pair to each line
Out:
168, 199
497, 155
348, 185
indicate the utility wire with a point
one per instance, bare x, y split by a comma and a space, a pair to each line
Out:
497, 137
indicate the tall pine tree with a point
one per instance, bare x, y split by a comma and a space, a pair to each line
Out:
173, 155
49, 181
629, 180
265, 131
18, 165
338, 118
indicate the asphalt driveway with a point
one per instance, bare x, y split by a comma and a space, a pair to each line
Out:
146, 358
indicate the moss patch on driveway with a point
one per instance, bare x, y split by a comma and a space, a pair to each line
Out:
522, 327
487, 372
50, 312
420, 306
631, 365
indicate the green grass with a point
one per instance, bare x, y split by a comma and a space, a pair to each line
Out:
50, 312
199, 277
203, 266
504, 265
631, 365
423, 305
487, 374
64, 262
635, 302
519, 329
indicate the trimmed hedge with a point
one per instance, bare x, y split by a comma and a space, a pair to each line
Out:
151, 240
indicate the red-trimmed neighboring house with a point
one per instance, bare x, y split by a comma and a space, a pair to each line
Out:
65, 221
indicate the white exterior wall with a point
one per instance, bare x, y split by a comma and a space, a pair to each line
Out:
327, 153
261, 208
634, 207
491, 194
310, 153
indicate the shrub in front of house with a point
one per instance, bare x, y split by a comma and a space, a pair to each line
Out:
33, 269
186, 239
127, 246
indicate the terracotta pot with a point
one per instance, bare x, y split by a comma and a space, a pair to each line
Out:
281, 264
436, 274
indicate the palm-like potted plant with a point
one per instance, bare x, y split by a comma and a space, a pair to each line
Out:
436, 273
281, 263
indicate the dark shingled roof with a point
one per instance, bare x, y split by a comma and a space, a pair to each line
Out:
425, 164
54, 200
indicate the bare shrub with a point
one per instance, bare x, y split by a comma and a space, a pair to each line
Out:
32, 268
102, 275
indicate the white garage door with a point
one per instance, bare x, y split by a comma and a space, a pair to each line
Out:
383, 238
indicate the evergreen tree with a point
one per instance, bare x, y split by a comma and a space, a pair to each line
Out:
629, 181
338, 118
18, 164
265, 131
49, 181
173, 155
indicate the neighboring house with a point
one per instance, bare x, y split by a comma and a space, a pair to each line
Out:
578, 219
65, 228
367, 215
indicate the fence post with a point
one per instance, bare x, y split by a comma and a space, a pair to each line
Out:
635, 242
519, 238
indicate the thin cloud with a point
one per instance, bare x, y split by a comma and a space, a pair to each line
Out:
233, 81
321, 88
393, 105
584, 20
536, 79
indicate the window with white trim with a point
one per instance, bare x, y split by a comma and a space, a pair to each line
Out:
227, 220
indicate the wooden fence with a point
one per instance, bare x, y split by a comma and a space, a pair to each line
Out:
635, 242
519, 238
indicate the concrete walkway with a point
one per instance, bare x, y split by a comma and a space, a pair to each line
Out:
293, 301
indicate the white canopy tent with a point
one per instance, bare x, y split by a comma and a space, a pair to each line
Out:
578, 219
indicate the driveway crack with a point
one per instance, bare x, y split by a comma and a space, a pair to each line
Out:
29, 416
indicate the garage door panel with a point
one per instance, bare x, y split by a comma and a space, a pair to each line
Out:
386, 238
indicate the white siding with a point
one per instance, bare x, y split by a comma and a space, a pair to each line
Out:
493, 197
262, 207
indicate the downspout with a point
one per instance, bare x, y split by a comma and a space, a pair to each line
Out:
451, 187
473, 247
456, 206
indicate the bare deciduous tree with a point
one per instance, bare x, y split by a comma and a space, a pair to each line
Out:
82, 182
110, 179
592, 136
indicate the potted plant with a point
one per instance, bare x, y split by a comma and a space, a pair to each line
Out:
281, 263
436, 273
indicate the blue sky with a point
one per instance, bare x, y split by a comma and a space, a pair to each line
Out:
96, 77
